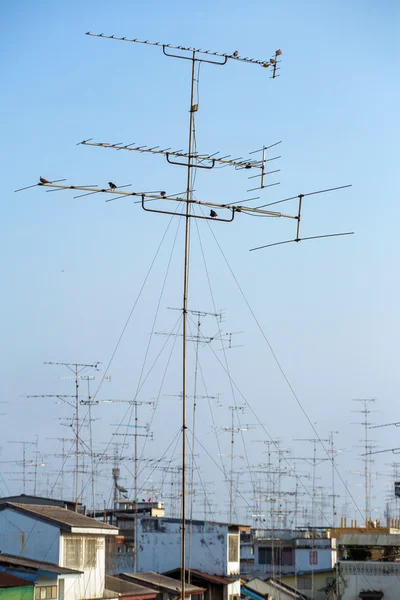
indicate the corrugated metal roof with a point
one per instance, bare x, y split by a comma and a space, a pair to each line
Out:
63, 517
19, 561
128, 588
205, 576
7, 580
162, 582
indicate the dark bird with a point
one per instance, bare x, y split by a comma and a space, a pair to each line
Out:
43, 180
213, 214
236, 54
112, 185
163, 194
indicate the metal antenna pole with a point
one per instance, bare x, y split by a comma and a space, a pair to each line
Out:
136, 435
184, 324
366, 423
77, 369
76, 438
229, 211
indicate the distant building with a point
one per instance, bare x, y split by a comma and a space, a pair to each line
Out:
278, 552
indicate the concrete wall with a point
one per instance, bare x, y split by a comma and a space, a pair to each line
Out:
159, 547
91, 583
27, 537
354, 577
325, 559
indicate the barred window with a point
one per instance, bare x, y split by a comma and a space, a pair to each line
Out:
233, 548
73, 553
90, 553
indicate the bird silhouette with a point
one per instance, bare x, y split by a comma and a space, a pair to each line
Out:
43, 180
163, 194
112, 185
213, 214
236, 54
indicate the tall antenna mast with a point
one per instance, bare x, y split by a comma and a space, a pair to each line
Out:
192, 160
136, 435
232, 429
24, 462
77, 369
368, 447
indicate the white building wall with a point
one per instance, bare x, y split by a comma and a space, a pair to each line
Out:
325, 559
159, 545
233, 588
91, 583
26, 537
354, 577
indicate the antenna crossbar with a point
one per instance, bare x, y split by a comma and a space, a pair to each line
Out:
151, 197
234, 56
238, 162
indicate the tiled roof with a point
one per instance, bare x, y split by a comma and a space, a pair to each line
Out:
206, 576
162, 582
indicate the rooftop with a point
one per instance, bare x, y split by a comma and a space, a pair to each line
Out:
57, 515
28, 563
7, 580
206, 576
198, 522
128, 588
162, 582
30, 499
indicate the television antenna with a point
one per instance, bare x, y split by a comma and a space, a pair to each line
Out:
160, 202
73, 401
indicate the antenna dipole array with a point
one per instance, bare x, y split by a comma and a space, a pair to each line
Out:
192, 160
77, 370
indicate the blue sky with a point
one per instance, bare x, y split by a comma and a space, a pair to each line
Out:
72, 268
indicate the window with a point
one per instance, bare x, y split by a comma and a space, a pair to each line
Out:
313, 557
287, 556
233, 548
73, 553
266, 557
90, 553
304, 583
47, 592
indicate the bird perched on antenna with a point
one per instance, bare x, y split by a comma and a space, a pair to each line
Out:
235, 54
213, 214
43, 180
163, 194
278, 52
112, 185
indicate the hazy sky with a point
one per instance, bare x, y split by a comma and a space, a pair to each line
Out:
72, 268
